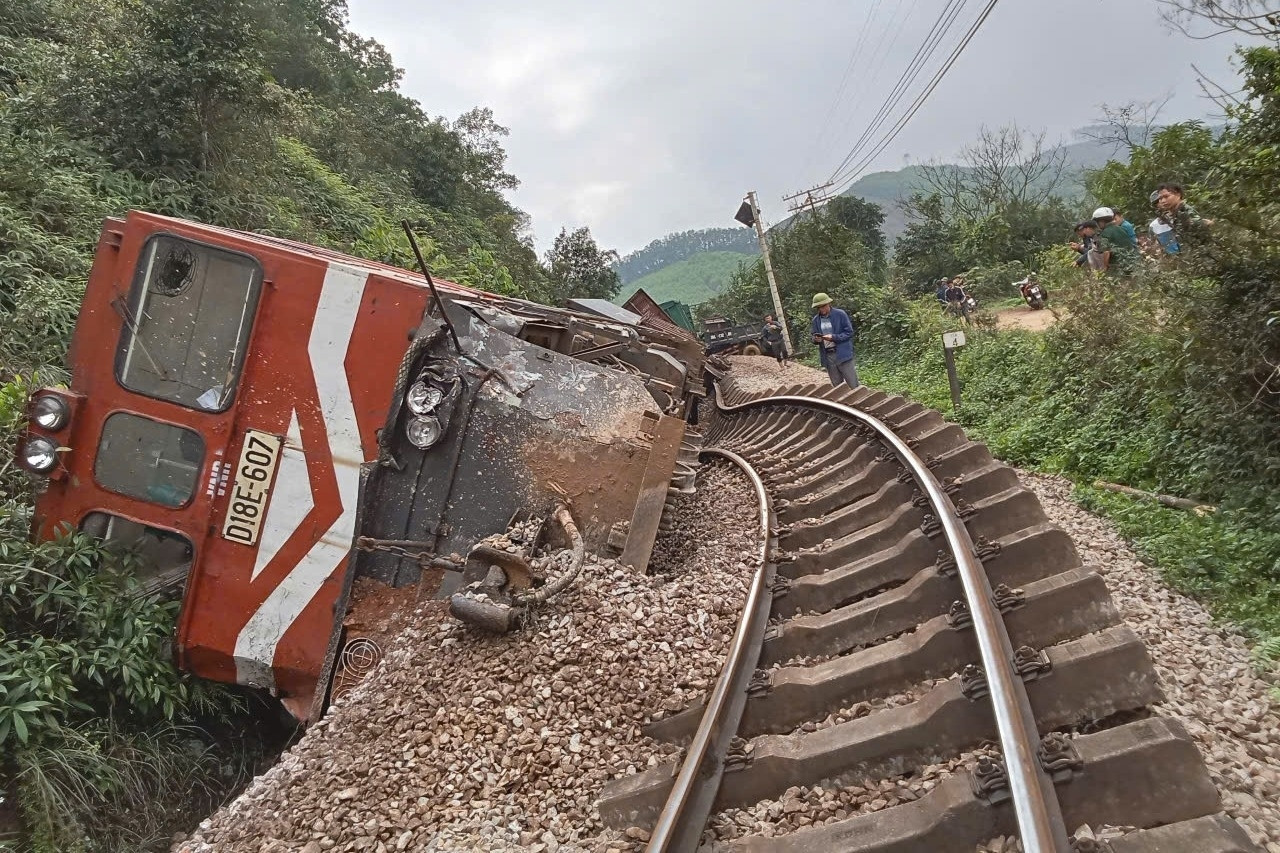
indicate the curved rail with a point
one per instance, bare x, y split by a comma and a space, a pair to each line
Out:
680, 824
1039, 815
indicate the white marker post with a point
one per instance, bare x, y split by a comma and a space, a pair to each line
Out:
950, 341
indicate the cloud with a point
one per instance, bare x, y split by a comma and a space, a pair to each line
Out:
642, 119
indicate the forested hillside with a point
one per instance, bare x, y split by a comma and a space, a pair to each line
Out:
683, 245
691, 281
265, 115
268, 116
889, 189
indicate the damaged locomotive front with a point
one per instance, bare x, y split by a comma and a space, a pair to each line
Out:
282, 432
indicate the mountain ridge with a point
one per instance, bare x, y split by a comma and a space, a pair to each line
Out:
687, 281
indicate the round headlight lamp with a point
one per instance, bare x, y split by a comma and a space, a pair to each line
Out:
423, 432
39, 454
50, 412
423, 398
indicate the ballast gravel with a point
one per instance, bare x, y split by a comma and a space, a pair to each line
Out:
1204, 667
1209, 679
460, 741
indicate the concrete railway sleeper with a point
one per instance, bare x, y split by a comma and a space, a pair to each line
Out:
922, 606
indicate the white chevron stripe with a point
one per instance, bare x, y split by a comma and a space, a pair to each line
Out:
291, 499
330, 338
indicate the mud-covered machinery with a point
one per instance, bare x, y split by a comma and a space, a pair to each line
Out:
532, 410
292, 440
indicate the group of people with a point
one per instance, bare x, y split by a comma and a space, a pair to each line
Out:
1108, 243
950, 292
831, 330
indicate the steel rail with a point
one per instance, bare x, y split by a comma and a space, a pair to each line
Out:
684, 815
1035, 801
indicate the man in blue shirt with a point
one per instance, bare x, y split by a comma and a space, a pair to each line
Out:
1126, 225
832, 332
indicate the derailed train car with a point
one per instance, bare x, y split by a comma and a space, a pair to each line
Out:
265, 422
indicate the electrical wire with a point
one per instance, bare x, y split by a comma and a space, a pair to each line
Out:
870, 81
855, 171
941, 27
844, 83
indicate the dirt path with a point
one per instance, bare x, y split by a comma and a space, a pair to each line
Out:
1022, 317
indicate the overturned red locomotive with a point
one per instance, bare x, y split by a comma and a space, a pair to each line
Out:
263, 422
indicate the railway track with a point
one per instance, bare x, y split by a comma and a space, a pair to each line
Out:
925, 619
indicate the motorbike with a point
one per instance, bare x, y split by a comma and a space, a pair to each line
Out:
963, 308
1033, 293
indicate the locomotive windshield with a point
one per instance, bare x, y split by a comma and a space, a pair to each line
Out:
187, 323
148, 460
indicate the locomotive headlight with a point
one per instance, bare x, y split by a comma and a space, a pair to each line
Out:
423, 432
39, 454
423, 398
51, 412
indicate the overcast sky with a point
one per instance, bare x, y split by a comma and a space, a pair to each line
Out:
640, 119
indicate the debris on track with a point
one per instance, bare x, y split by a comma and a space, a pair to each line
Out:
460, 741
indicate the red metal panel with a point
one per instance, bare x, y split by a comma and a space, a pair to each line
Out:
322, 362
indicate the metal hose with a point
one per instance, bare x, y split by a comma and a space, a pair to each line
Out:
544, 593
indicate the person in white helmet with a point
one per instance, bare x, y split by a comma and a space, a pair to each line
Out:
1119, 251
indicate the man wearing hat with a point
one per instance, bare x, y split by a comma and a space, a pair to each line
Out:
1119, 250
832, 332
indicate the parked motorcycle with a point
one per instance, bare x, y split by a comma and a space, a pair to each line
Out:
1033, 293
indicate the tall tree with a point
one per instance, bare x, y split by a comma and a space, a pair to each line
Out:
1004, 167
864, 219
580, 269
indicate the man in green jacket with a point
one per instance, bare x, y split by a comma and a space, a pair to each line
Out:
1189, 227
1120, 255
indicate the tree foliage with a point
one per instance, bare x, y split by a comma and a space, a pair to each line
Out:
838, 250
579, 269
263, 115
257, 115
1002, 203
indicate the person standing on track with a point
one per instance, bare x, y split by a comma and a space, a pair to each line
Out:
832, 332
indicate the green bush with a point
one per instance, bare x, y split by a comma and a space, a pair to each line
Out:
98, 787
98, 734
1128, 388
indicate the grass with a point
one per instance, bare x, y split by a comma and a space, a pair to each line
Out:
1229, 561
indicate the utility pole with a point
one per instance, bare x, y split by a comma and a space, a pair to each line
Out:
812, 198
749, 214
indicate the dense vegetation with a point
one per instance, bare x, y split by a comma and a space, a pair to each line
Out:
266, 116
1168, 381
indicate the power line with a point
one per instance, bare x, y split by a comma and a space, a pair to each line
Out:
869, 80
941, 26
857, 170
844, 81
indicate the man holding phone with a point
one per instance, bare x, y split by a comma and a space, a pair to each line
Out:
832, 332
